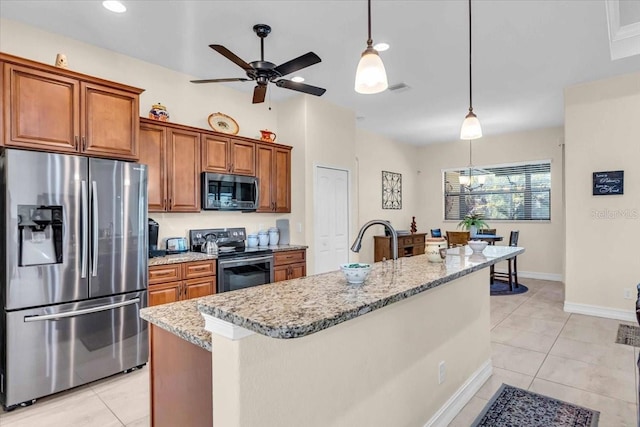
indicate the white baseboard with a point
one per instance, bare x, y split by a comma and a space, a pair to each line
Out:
461, 397
594, 310
555, 277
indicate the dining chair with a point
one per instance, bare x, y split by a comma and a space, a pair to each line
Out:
511, 276
436, 232
458, 238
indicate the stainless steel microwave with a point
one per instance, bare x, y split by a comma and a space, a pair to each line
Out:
229, 192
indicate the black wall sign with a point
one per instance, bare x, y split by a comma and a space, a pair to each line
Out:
608, 183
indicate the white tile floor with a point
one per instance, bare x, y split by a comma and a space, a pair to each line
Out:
539, 347
536, 346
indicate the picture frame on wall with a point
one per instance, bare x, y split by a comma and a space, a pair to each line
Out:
391, 190
608, 183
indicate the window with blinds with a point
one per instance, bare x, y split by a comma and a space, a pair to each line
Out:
519, 192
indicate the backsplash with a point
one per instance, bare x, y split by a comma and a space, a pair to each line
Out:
179, 224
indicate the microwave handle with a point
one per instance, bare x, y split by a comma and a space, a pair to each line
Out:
255, 183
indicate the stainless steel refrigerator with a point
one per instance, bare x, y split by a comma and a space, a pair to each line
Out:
73, 272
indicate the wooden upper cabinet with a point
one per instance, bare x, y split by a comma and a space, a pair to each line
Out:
153, 153
282, 181
273, 169
52, 109
41, 109
227, 155
183, 170
110, 124
264, 172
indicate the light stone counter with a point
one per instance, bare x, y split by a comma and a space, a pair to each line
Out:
299, 307
181, 318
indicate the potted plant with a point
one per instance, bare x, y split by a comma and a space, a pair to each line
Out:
472, 222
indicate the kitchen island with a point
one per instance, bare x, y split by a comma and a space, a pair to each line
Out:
345, 367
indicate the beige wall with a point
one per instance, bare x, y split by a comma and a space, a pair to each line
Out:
544, 240
380, 369
602, 130
374, 154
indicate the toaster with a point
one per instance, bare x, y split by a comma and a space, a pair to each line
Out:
176, 245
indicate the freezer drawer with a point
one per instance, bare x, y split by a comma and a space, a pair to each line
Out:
55, 348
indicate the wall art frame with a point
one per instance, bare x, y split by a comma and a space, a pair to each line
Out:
391, 190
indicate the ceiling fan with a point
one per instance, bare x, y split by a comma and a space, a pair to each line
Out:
264, 72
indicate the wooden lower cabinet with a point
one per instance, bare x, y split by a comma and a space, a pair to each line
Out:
180, 381
177, 282
289, 265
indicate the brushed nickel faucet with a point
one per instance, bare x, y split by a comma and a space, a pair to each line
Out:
394, 236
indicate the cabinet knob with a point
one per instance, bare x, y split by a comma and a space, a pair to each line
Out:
76, 141
84, 143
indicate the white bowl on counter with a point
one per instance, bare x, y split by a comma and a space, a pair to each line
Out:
477, 246
355, 272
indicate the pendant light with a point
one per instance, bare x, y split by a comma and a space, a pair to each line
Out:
371, 76
471, 126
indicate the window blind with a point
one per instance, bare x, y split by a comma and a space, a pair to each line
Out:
507, 192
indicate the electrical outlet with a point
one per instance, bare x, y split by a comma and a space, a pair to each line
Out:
442, 372
628, 294
299, 227
260, 227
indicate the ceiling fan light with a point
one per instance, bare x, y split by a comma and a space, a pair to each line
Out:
471, 127
371, 77
114, 6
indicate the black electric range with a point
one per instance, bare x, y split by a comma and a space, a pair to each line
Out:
230, 241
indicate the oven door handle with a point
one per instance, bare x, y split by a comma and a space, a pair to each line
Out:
245, 260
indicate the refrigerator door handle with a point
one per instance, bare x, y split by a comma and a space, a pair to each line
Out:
80, 312
85, 228
94, 239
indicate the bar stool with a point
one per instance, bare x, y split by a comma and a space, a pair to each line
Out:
512, 274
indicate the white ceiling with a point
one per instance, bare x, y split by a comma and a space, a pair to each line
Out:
525, 52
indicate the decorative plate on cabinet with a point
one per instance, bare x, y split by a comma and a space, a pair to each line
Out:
223, 123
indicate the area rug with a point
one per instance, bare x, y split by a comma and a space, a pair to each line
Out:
512, 406
498, 287
629, 335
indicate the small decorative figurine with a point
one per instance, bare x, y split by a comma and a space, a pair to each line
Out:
61, 61
159, 112
414, 226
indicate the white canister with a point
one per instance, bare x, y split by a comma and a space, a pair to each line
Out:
274, 236
252, 240
263, 238
432, 248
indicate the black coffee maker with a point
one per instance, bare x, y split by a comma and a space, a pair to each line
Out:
154, 229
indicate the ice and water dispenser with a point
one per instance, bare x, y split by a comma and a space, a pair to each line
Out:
39, 235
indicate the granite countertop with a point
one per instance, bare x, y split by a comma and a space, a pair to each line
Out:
181, 318
299, 307
197, 256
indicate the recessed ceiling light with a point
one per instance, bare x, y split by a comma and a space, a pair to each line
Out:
381, 47
114, 6
297, 79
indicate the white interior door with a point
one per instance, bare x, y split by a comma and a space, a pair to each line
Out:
331, 222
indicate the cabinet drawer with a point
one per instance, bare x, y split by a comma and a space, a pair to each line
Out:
289, 257
164, 273
199, 269
418, 240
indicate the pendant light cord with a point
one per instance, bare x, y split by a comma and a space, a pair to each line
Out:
369, 41
470, 91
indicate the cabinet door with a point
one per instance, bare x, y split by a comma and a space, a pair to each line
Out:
280, 273
297, 270
282, 180
215, 154
164, 293
264, 173
184, 170
41, 110
243, 158
153, 153
110, 122
195, 288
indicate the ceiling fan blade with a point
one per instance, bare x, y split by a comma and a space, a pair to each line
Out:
233, 79
259, 93
299, 63
230, 56
301, 87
